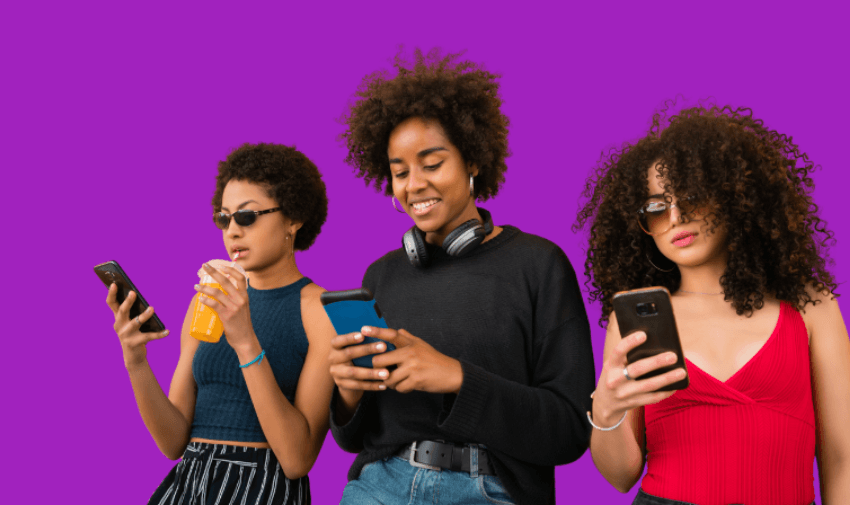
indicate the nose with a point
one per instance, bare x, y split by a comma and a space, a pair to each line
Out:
233, 229
415, 180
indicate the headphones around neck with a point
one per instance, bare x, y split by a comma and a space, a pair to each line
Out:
458, 243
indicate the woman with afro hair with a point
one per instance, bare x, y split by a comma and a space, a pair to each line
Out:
716, 207
248, 414
486, 389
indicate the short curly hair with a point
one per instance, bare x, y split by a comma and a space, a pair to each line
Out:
759, 185
289, 177
460, 95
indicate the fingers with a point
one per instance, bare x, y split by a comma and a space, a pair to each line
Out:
213, 298
124, 309
355, 348
237, 277
635, 393
131, 330
625, 345
355, 377
341, 341
225, 283
111, 299
399, 338
651, 363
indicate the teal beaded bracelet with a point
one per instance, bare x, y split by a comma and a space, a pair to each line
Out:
258, 359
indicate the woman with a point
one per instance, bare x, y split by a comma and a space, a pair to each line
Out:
489, 325
249, 416
717, 208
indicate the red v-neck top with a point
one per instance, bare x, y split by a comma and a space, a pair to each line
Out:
748, 440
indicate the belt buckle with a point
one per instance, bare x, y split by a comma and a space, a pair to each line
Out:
417, 464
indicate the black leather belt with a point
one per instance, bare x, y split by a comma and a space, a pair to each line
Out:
438, 455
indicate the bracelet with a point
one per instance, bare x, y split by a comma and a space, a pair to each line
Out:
258, 359
606, 429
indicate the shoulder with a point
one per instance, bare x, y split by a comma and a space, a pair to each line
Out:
313, 315
538, 252
823, 313
388, 261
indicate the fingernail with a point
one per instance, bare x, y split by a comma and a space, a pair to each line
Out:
380, 346
165, 333
358, 336
366, 329
197, 287
382, 387
680, 374
383, 374
671, 358
641, 336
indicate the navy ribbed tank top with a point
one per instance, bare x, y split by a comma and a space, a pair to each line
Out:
223, 409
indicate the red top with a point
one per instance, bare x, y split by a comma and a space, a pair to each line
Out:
748, 440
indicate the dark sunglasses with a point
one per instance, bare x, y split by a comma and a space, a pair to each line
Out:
654, 216
242, 217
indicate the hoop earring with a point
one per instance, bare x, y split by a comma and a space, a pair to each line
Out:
471, 186
656, 266
392, 199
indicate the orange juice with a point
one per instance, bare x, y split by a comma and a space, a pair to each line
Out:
206, 325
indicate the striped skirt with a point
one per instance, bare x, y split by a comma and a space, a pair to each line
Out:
216, 474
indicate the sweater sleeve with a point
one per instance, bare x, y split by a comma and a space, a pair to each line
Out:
349, 437
543, 422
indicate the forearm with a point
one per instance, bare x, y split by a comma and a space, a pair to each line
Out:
835, 481
616, 453
295, 443
166, 424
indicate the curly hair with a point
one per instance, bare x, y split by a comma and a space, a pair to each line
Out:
461, 96
759, 186
289, 177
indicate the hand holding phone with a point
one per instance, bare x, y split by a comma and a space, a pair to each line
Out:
649, 310
351, 310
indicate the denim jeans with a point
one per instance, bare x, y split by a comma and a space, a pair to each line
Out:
393, 481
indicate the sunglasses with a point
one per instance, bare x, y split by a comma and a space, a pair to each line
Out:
242, 217
654, 216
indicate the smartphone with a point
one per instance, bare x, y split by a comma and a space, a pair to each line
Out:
111, 272
351, 310
649, 310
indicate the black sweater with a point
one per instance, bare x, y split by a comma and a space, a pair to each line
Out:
512, 313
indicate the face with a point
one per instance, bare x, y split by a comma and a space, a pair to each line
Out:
264, 242
430, 178
688, 244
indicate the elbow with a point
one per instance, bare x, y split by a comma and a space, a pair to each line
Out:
172, 453
297, 469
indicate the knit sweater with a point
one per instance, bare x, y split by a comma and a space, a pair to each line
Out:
512, 313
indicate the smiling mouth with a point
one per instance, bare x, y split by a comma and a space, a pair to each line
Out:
420, 208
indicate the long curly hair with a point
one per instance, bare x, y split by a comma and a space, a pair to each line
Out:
759, 186
460, 95
289, 177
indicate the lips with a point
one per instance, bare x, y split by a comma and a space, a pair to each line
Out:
238, 249
422, 207
684, 238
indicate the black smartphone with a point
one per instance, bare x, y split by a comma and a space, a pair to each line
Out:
351, 310
111, 272
649, 310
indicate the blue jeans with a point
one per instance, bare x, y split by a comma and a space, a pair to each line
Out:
393, 481
648, 499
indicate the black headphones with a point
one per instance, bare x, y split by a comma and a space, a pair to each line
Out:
459, 242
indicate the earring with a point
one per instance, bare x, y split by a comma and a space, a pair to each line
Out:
394, 206
471, 186
656, 266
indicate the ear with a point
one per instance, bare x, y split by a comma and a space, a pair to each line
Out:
294, 226
472, 168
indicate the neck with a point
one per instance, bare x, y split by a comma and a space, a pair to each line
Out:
704, 278
281, 273
469, 212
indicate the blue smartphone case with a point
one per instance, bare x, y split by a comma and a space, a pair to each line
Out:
348, 316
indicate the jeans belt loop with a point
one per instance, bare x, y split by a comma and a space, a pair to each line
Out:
473, 461
415, 463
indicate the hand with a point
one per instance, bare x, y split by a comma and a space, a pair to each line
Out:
350, 378
132, 340
420, 367
615, 394
231, 307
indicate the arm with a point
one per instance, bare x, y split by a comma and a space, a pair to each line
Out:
294, 432
168, 419
830, 358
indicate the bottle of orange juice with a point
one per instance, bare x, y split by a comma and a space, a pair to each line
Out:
206, 325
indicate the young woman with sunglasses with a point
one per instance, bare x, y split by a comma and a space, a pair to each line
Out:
487, 387
717, 208
248, 414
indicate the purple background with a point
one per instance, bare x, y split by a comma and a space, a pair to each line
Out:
114, 116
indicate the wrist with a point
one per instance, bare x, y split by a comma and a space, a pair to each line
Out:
604, 416
457, 378
248, 350
135, 364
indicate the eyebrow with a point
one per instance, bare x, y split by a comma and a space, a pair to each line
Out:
421, 154
240, 205
657, 195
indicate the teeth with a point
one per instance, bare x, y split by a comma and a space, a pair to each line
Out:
424, 205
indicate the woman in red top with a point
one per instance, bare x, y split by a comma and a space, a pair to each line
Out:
717, 208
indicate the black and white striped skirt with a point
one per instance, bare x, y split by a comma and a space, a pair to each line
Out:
216, 474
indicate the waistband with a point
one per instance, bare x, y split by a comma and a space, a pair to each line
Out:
439, 455
231, 453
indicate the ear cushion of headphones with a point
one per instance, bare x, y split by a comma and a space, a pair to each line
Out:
464, 238
413, 243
